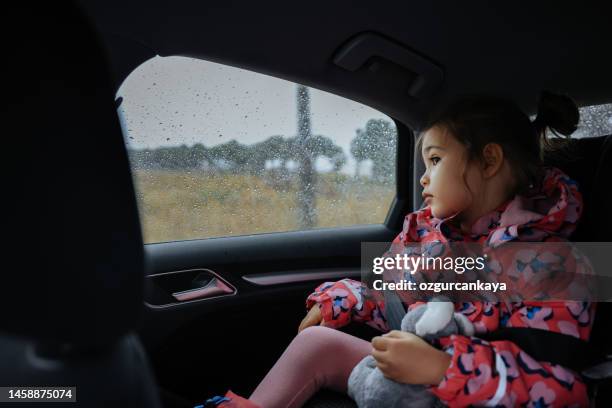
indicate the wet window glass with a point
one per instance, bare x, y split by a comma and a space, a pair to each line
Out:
595, 121
221, 151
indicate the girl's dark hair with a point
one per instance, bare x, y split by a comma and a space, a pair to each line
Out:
476, 121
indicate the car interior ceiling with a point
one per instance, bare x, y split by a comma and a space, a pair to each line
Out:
476, 44
479, 47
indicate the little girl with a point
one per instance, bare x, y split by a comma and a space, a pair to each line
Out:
484, 182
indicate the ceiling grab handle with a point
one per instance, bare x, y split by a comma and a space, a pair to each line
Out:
353, 55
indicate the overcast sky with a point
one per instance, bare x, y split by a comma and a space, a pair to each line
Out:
169, 101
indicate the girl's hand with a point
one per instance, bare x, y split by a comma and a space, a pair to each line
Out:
312, 318
406, 358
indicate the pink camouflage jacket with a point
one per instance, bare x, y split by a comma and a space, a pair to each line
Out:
475, 375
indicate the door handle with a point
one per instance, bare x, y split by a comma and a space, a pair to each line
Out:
214, 287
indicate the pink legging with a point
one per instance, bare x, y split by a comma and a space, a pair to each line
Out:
318, 357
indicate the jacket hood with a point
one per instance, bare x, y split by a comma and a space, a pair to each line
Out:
553, 208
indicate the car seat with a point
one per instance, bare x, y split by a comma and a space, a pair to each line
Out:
73, 294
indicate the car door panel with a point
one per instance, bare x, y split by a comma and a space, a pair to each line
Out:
272, 274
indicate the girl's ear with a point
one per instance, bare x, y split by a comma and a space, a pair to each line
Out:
493, 158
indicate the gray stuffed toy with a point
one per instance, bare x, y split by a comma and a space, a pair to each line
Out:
369, 388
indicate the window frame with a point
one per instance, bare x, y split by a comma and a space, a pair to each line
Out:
405, 197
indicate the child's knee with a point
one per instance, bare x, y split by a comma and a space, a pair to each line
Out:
322, 338
315, 333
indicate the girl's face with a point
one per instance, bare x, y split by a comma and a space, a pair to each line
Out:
444, 186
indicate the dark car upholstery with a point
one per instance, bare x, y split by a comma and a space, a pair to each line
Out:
588, 161
74, 297
591, 166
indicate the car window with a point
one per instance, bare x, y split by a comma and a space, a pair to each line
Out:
221, 151
595, 120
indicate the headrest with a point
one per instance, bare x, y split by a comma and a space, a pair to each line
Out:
74, 242
588, 161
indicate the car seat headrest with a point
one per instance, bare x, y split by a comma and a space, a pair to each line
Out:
75, 250
589, 164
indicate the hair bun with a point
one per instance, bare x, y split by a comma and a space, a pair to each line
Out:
558, 112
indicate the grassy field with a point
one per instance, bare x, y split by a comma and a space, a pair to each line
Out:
177, 205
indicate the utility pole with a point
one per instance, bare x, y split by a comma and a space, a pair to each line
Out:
307, 179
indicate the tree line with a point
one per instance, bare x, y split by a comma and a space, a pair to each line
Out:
376, 141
